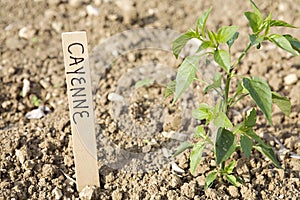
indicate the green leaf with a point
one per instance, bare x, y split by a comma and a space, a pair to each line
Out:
181, 41
250, 121
246, 144
229, 168
256, 9
260, 92
210, 178
226, 33
201, 22
212, 36
204, 111
195, 156
217, 81
225, 145
205, 45
294, 42
250, 133
281, 23
222, 120
200, 132
145, 82
232, 39
170, 89
283, 43
184, 146
255, 21
222, 57
283, 103
186, 74
235, 181
256, 40
268, 152
267, 24
35, 101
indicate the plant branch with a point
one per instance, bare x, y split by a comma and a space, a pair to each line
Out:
241, 56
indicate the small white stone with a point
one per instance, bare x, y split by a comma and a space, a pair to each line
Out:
57, 26
57, 193
26, 33
87, 193
26, 87
176, 168
37, 113
20, 156
290, 79
92, 11
115, 97
44, 83
131, 57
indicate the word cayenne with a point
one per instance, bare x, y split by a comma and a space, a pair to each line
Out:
78, 82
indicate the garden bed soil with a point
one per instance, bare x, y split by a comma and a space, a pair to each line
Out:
136, 138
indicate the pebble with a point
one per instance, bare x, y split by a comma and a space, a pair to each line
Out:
112, 17
57, 26
38, 113
76, 3
88, 193
176, 168
57, 193
92, 11
21, 155
5, 104
174, 135
115, 97
21, 106
26, 87
128, 10
44, 83
27, 32
290, 79
131, 57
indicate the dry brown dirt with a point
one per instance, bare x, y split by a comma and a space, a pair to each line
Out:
36, 159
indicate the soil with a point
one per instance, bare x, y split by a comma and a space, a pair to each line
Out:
138, 130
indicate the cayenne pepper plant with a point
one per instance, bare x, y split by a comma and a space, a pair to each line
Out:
229, 136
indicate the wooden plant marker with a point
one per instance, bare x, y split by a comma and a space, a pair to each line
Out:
81, 108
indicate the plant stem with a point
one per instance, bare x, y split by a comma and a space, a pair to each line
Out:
241, 56
229, 75
228, 78
222, 166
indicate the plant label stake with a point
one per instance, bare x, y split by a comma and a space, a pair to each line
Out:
81, 108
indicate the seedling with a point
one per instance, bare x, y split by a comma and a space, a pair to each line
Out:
230, 137
35, 101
